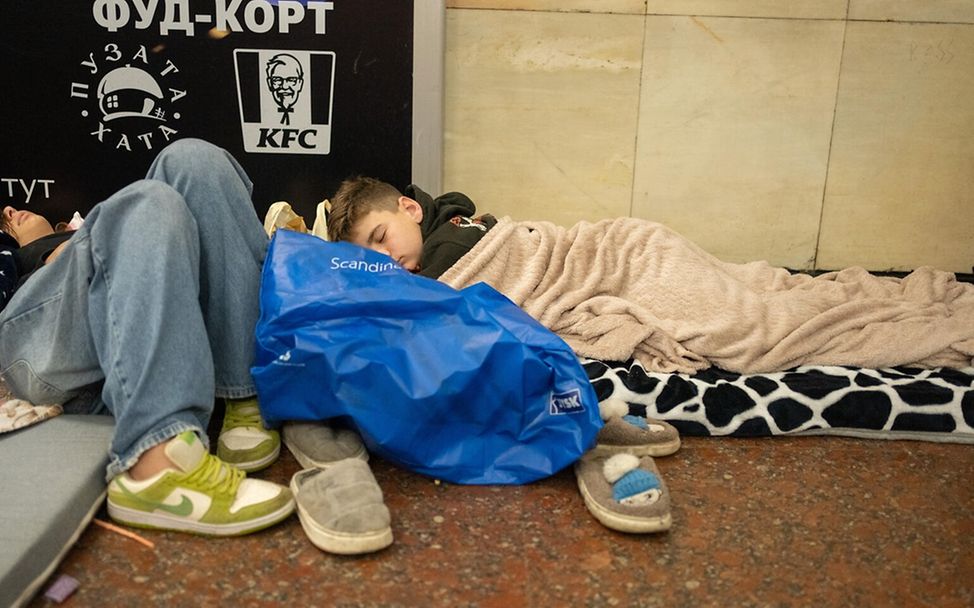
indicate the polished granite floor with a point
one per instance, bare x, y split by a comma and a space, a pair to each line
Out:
757, 522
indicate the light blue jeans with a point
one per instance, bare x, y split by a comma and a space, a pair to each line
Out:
152, 304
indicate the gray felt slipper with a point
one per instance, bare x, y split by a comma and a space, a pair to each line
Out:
341, 508
317, 444
623, 433
624, 492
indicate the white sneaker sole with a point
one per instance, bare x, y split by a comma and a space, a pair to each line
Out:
164, 521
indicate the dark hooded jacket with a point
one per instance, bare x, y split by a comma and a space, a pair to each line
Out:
8, 268
449, 229
17, 264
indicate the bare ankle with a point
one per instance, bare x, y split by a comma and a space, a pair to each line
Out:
151, 462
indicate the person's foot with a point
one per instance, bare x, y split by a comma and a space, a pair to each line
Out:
198, 494
243, 441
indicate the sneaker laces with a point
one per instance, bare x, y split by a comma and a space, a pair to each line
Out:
212, 474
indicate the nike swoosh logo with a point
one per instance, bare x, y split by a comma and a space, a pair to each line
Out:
183, 509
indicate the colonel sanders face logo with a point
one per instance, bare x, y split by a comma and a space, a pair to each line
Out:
285, 79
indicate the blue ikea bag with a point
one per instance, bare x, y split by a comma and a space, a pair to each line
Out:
458, 385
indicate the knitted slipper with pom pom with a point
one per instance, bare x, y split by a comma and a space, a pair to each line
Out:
623, 433
17, 414
624, 492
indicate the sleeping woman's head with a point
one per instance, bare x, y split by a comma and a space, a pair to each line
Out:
24, 226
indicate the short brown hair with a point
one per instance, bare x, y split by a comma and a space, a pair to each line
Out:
357, 197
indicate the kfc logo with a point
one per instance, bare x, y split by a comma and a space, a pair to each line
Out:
285, 100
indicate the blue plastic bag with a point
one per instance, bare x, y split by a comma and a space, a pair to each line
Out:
459, 385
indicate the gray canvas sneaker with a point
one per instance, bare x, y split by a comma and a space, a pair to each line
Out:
318, 445
341, 508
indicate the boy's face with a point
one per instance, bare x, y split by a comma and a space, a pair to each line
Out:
394, 233
24, 226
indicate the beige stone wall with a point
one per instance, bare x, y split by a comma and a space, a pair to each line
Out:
810, 133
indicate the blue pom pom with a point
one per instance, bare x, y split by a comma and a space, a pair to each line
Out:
636, 421
634, 482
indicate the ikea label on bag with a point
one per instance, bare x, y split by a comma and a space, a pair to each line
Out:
362, 265
566, 403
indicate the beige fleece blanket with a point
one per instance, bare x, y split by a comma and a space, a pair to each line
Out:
629, 287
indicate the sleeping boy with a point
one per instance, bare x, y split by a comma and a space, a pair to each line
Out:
628, 287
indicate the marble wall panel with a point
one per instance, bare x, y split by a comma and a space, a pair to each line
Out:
540, 118
901, 182
734, 128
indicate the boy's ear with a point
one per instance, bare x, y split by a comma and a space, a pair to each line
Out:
412, 208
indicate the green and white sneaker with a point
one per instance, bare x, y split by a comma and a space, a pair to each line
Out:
201, 495
243, 441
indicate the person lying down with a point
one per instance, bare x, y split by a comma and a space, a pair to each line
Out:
629, 287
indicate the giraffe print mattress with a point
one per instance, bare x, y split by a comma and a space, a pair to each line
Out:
895, 403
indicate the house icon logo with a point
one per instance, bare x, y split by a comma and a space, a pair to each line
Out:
285, 99
129, 98
129, 92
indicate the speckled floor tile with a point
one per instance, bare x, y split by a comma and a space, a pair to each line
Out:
757, 522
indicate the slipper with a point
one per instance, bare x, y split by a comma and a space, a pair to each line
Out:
319, 444
17, 414
624, 433
341, 508
624, 492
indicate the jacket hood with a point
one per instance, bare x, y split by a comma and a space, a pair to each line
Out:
441, 209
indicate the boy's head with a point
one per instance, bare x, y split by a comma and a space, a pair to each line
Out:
373, 214
24, 226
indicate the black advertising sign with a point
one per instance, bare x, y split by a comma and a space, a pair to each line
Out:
303, 93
